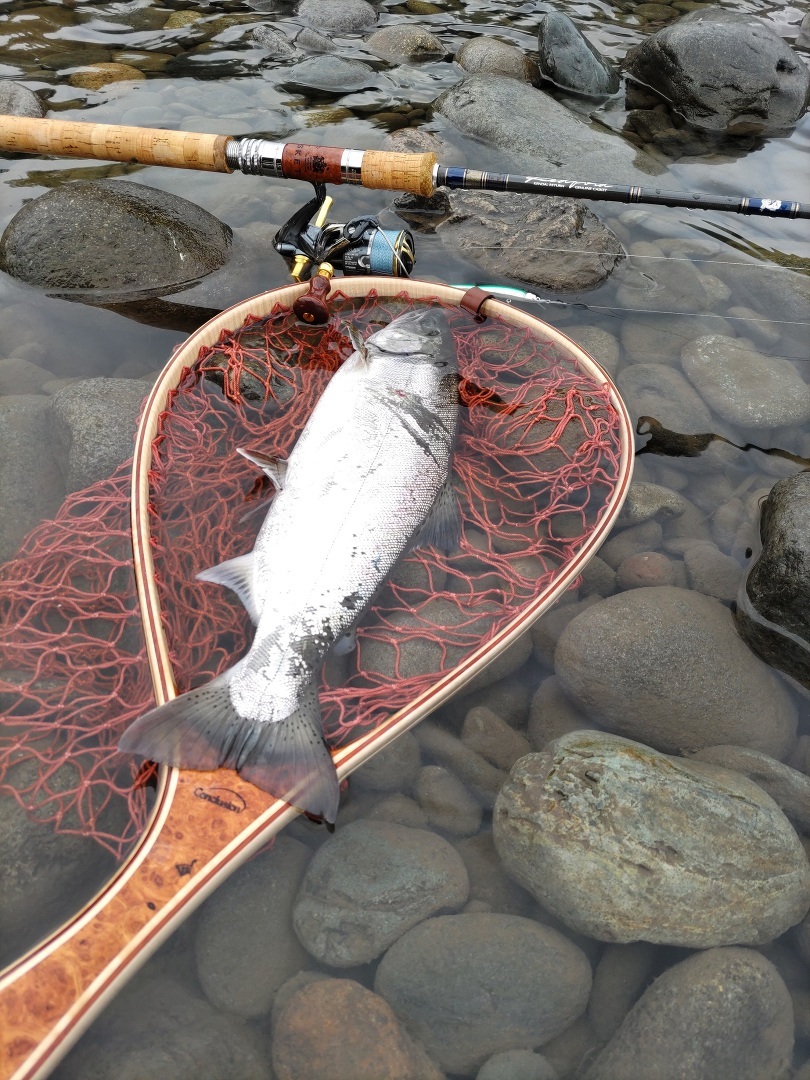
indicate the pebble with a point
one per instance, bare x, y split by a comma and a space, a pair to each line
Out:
623, 844
516, 1065
338, 16
619, 979
369, 884
598, 578
337, 1028
633, 540
553, 714
244, 944
645, 569
723, 1014
392, 769
569, 1050
311, 41
486, 733
447, 803
788, 787
711, 572
489, 883
468, 986
745, 387
509, 699
489, 55
761, 331
401, 810
482, 778
678, 653
93, 427
405, 43
645, 501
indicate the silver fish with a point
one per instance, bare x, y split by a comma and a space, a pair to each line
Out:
368, 479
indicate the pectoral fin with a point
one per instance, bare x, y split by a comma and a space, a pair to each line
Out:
275, 469
236, 574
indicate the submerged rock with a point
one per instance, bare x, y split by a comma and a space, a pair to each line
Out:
31, 484
666, 666
786, 786
624, 844
403, 43
540, 240
470, 985
489, 55
724, 1014
274, 41
773, 603
724, 71
569, 60
332, 74
112, 235
371, 883
660, 391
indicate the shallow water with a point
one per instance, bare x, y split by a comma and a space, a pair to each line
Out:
215, 79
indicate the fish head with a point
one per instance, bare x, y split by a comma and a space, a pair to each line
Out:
419, 335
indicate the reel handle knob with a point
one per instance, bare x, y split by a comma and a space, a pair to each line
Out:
312, 307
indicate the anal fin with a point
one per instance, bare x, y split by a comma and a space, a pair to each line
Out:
442, 527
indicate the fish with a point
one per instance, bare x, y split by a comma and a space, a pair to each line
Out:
368, 480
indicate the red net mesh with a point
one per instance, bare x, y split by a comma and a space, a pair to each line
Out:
536, 461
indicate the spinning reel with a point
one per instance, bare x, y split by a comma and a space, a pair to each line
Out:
315, 249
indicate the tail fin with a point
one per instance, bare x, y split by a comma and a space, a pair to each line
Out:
202, 730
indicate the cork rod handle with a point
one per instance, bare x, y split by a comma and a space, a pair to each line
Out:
111, 142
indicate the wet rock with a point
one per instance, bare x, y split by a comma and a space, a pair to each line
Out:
18, 100
552, 714
392, 769
338, 16
666, 666
724, 71
489, 884
773, 613
311, 41
601, 345
645, 501
548, 628
569, 1050
338, 1028
568, 59
156, 1021
786, 786
658, 391
244, 945
711, 572
503, 233
471, 985
657, 283
620, 977
516, 1065
19, 376
95, 76
446, 802
331, 73
509, 699
633, 540
489, 55
720, 1014
483, 779
645, 569
93, 426
598, 579
743, 386
659, 339
274, 41
624, 844
112, 235
513, 116
401, 810
404, 43
485, 732
369, 884
31, 485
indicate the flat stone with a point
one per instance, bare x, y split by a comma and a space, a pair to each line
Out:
337, 1028
745, 387
468, 986
720, 1013
31, 485
666, 666
244, 944
331, 73
95, 76
93, 425
623, 844
369, 884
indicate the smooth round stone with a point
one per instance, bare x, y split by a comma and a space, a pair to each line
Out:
489, 55
624, 844
274, 41
788, 787
516, 1065
337, 1028
712, 572
447, 802
331, 73
552, 714
725, 1013
468, 986
645, 569
619, 978
476, 772
338, 16
489, 884
18, 100
486, 733
311, 41
645, 500
369, 884
743, 386
22, 377
666, 666
659, 391
392, 769
599, 344
660, 339
97, 75
632, 540
403, 42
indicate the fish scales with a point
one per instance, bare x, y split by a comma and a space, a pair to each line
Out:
370, 469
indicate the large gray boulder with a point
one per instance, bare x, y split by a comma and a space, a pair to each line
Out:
773, 603
568, 59
624, 844
115, 236
512, 116
724, 71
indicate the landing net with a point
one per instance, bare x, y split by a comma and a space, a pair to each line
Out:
538, 458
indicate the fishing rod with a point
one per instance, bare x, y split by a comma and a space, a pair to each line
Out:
419, 174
